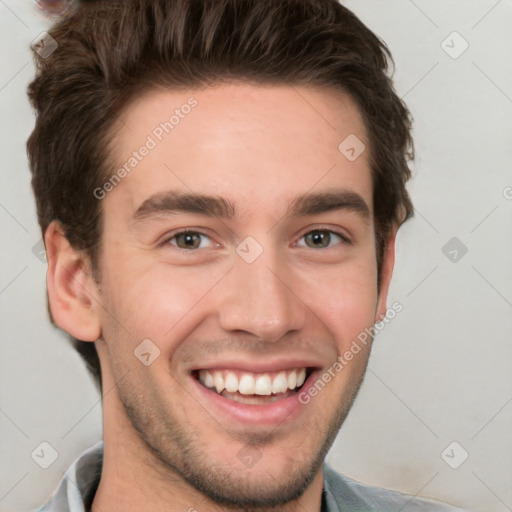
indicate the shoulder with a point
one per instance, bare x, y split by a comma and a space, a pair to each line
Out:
343, 491
79, 483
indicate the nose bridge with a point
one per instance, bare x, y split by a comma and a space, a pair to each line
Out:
258, 297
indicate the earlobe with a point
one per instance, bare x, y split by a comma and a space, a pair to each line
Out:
388, 263
71, 288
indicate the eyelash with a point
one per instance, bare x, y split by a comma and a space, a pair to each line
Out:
344, 240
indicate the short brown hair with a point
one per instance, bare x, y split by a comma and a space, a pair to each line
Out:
110, 50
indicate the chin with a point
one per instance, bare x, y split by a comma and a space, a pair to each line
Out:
256, 488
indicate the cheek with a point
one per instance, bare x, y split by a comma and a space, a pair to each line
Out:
157, 302
345, 296
347, 310
152, 302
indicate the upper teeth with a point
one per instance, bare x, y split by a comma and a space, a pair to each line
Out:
248, 383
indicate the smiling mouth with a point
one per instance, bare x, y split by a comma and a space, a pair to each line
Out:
253, 388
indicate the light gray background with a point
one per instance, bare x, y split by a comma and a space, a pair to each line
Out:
440, 371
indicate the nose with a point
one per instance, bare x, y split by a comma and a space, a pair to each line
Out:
258, 298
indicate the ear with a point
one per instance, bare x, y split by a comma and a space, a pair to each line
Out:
388, 262
72, 291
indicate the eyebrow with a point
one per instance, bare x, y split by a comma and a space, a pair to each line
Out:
337, 199
175, 201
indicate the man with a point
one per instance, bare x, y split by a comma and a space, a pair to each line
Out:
219, 184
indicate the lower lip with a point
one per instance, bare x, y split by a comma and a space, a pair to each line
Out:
273, 414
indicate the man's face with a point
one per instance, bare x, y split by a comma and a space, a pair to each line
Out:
252, 298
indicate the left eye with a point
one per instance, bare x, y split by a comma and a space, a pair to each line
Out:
321, 238
187, 240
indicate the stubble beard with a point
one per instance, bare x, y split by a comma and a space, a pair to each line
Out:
181, 452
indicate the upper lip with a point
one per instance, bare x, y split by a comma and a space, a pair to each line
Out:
259, 366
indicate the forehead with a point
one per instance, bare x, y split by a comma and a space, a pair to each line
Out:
248, 143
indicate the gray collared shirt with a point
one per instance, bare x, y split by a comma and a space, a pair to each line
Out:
340, 494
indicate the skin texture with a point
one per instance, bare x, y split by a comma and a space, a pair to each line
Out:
167, 446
